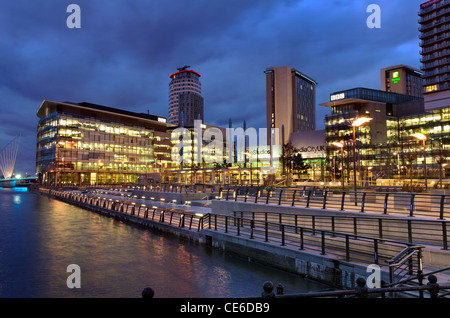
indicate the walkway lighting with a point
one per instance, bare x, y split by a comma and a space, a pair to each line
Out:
357, 123
423, 137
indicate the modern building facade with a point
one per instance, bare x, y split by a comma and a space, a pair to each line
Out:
373, 141
87, 145
185, 98
402, 79
291, 102
434, 20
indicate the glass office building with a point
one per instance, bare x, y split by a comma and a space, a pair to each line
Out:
376, 142
87, 145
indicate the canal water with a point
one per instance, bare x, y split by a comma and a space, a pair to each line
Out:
40, 237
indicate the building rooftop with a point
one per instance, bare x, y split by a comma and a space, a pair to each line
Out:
362, 94
41, 112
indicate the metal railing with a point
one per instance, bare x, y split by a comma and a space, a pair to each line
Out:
172, 216
408, 230
405, 264
361, 291
351, 247
409, 204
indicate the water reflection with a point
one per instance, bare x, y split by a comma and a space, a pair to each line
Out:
40, 237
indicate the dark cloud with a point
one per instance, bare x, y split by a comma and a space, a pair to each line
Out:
126, 49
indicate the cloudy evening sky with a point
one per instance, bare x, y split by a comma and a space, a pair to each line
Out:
125, 50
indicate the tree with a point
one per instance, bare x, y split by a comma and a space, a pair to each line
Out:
299, 164
288, 152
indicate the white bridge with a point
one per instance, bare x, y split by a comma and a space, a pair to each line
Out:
8, 157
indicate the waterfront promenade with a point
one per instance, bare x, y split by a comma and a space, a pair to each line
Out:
321, 244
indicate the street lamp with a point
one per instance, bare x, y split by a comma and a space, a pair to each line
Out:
423, 138
340, 145
357, 123
398, 161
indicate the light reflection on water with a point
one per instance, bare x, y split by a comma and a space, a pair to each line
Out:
40, 237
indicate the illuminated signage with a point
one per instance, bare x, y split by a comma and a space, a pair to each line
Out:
395, 77
337, 96
162, 120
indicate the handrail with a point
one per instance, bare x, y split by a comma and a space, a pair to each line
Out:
404, 256
385, 202
333, 235
364, 293
375, 222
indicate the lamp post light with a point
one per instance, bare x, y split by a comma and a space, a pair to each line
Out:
423, 138
357, 123
341, 145
398, 161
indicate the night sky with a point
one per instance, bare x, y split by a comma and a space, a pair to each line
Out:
125, 50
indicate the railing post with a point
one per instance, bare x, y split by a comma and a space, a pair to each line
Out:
296, 223
313, 221
282, 235
307, 200
441, 207
420, 277
409, 232
380, 228
280, 218
323, 243
411, 205
228, 192
256, 195
363, 201
325, 199
266, 232
301, 238
347, 247
268, 194
343, 199
236, 194
279, 199
375, 251
293, 198
238, 227
444, 236
385, 203
246, 194
226, 223
332, 226
433, 286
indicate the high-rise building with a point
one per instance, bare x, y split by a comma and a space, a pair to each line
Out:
185, 98
402, 79
291, 102
435, 43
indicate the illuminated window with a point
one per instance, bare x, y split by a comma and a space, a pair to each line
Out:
431, 88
